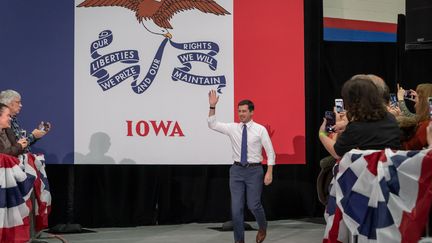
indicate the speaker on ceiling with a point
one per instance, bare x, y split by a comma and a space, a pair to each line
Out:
418, 21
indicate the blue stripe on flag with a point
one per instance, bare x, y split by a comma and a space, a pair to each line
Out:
346, 181
335, 34
354, 157
412, 153
355, 205
13, 196
393, 183
376, 218
398, 160
385, 219
10, 197
26, 185
331, 205
385, 189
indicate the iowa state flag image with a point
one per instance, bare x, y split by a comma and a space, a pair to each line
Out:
128, 80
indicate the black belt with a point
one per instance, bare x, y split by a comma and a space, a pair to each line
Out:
247, 165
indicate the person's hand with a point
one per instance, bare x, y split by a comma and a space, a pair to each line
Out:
341, 122
395, 110
213, 98
400, 93
268, 178
341, 116
38, 133
340, 126
429, 134
412, 95
23, 142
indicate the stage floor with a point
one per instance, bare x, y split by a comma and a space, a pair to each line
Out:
283, 231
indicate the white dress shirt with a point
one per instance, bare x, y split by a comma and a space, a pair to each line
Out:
257, 137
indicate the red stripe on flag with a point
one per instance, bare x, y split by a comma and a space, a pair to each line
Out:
43, 209
8, 161
42, 219
413, 224
359, 25
334, 231
372, 161
17, 234
269, 70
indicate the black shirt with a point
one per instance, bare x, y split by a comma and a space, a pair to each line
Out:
364, 135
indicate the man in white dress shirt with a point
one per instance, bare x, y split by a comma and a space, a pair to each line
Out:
246, 174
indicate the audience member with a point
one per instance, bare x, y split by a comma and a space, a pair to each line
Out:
414, 127
12, 99
8, 143
384, 92
403, 94
370, 125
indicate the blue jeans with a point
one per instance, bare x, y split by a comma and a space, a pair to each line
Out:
247, 180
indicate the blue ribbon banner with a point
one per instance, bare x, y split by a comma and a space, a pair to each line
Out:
107, 82
105, 39
151, 73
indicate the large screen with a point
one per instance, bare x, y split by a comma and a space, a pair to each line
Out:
126, 82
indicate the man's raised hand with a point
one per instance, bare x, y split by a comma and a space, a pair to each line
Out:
213, 98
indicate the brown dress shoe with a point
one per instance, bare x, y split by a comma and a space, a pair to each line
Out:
261, 235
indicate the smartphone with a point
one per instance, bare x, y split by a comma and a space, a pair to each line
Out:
339, 105
23, 133
430, 107
330, 116
408, 95
44, 126
393, 100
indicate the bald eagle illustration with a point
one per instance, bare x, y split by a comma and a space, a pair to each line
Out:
155, 14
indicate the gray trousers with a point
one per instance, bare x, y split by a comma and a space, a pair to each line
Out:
249, 181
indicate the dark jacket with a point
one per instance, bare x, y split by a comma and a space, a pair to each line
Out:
15, 149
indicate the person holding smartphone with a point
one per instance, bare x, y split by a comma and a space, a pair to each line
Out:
403, 95
370, 125
414, 126
12, 99
341, 120
8, 143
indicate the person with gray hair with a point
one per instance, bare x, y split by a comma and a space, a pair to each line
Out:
379, 82
12, 99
